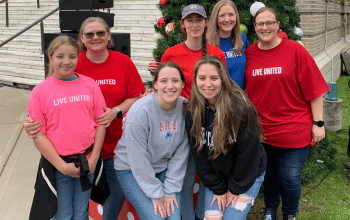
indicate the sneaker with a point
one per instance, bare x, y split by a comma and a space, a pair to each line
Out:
267, 215
291, 217
347, 165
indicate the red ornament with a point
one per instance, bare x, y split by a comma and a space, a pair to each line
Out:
169, 28
161, 22
153, 65
282, 35
163, 2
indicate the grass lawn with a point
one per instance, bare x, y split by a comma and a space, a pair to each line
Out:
328, 195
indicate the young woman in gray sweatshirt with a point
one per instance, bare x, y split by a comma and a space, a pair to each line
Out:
151, 156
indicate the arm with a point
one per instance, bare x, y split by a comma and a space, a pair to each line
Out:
205, 170
95, 154
32, 127
318, 133
175, 174
141, 165
111, 113
45, 147
246, 167
140, 160
176, 169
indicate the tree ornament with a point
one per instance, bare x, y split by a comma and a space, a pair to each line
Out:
243, 28
153, 65
161, 22
298, 31
163, 2
255, 7
169, 28
282, 35
157, 36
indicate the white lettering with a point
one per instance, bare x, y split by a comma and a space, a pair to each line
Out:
106, 82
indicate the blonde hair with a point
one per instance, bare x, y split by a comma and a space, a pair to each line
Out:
232, 109
213, 28
55, 43
91, 20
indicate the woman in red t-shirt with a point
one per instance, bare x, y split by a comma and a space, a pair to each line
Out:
286, 87
186, 54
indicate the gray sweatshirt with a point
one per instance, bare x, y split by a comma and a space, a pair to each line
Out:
154, 140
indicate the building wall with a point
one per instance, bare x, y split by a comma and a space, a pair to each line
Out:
314, 17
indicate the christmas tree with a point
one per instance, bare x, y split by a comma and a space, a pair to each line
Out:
168, 31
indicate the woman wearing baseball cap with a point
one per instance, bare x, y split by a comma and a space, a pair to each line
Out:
186, 54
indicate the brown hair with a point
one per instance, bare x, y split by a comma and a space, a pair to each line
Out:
55, 43
171, 65
204, 39
213, 28
91, 20
232, 109
261, 10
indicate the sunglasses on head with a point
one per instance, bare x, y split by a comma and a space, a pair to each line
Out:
90, 35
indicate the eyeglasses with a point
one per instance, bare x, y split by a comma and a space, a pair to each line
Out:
269, 24
91, 35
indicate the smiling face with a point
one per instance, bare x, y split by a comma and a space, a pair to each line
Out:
209, 83
266, 35
226, 20
64, 61
169, 86
194, 25
99, 41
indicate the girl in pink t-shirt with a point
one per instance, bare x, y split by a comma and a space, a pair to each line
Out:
70, 140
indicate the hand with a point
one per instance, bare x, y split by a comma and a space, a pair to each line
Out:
31, 127
221, 202
69, 169
159, 206
318, 133
92, 165
107, 117
231, 198
170, 201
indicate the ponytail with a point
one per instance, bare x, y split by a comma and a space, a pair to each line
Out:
204, 42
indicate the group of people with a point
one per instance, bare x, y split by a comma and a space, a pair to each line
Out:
199, 119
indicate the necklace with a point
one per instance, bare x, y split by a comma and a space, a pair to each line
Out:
193, 55
190, 48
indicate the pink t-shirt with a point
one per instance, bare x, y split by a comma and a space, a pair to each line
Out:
67, 110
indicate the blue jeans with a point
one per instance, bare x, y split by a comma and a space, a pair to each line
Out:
72, 202
142, 204
240, 210
115, 201
283, 178
187, 211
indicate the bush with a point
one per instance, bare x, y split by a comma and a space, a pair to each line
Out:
324, 151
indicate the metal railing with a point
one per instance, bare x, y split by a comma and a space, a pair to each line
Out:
6, 11
30, 26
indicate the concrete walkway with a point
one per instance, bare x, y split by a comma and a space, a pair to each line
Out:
18, 156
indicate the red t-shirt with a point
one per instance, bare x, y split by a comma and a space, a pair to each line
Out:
118, 79
187, 59
281, 83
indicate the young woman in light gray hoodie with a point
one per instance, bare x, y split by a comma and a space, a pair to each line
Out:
151, 156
